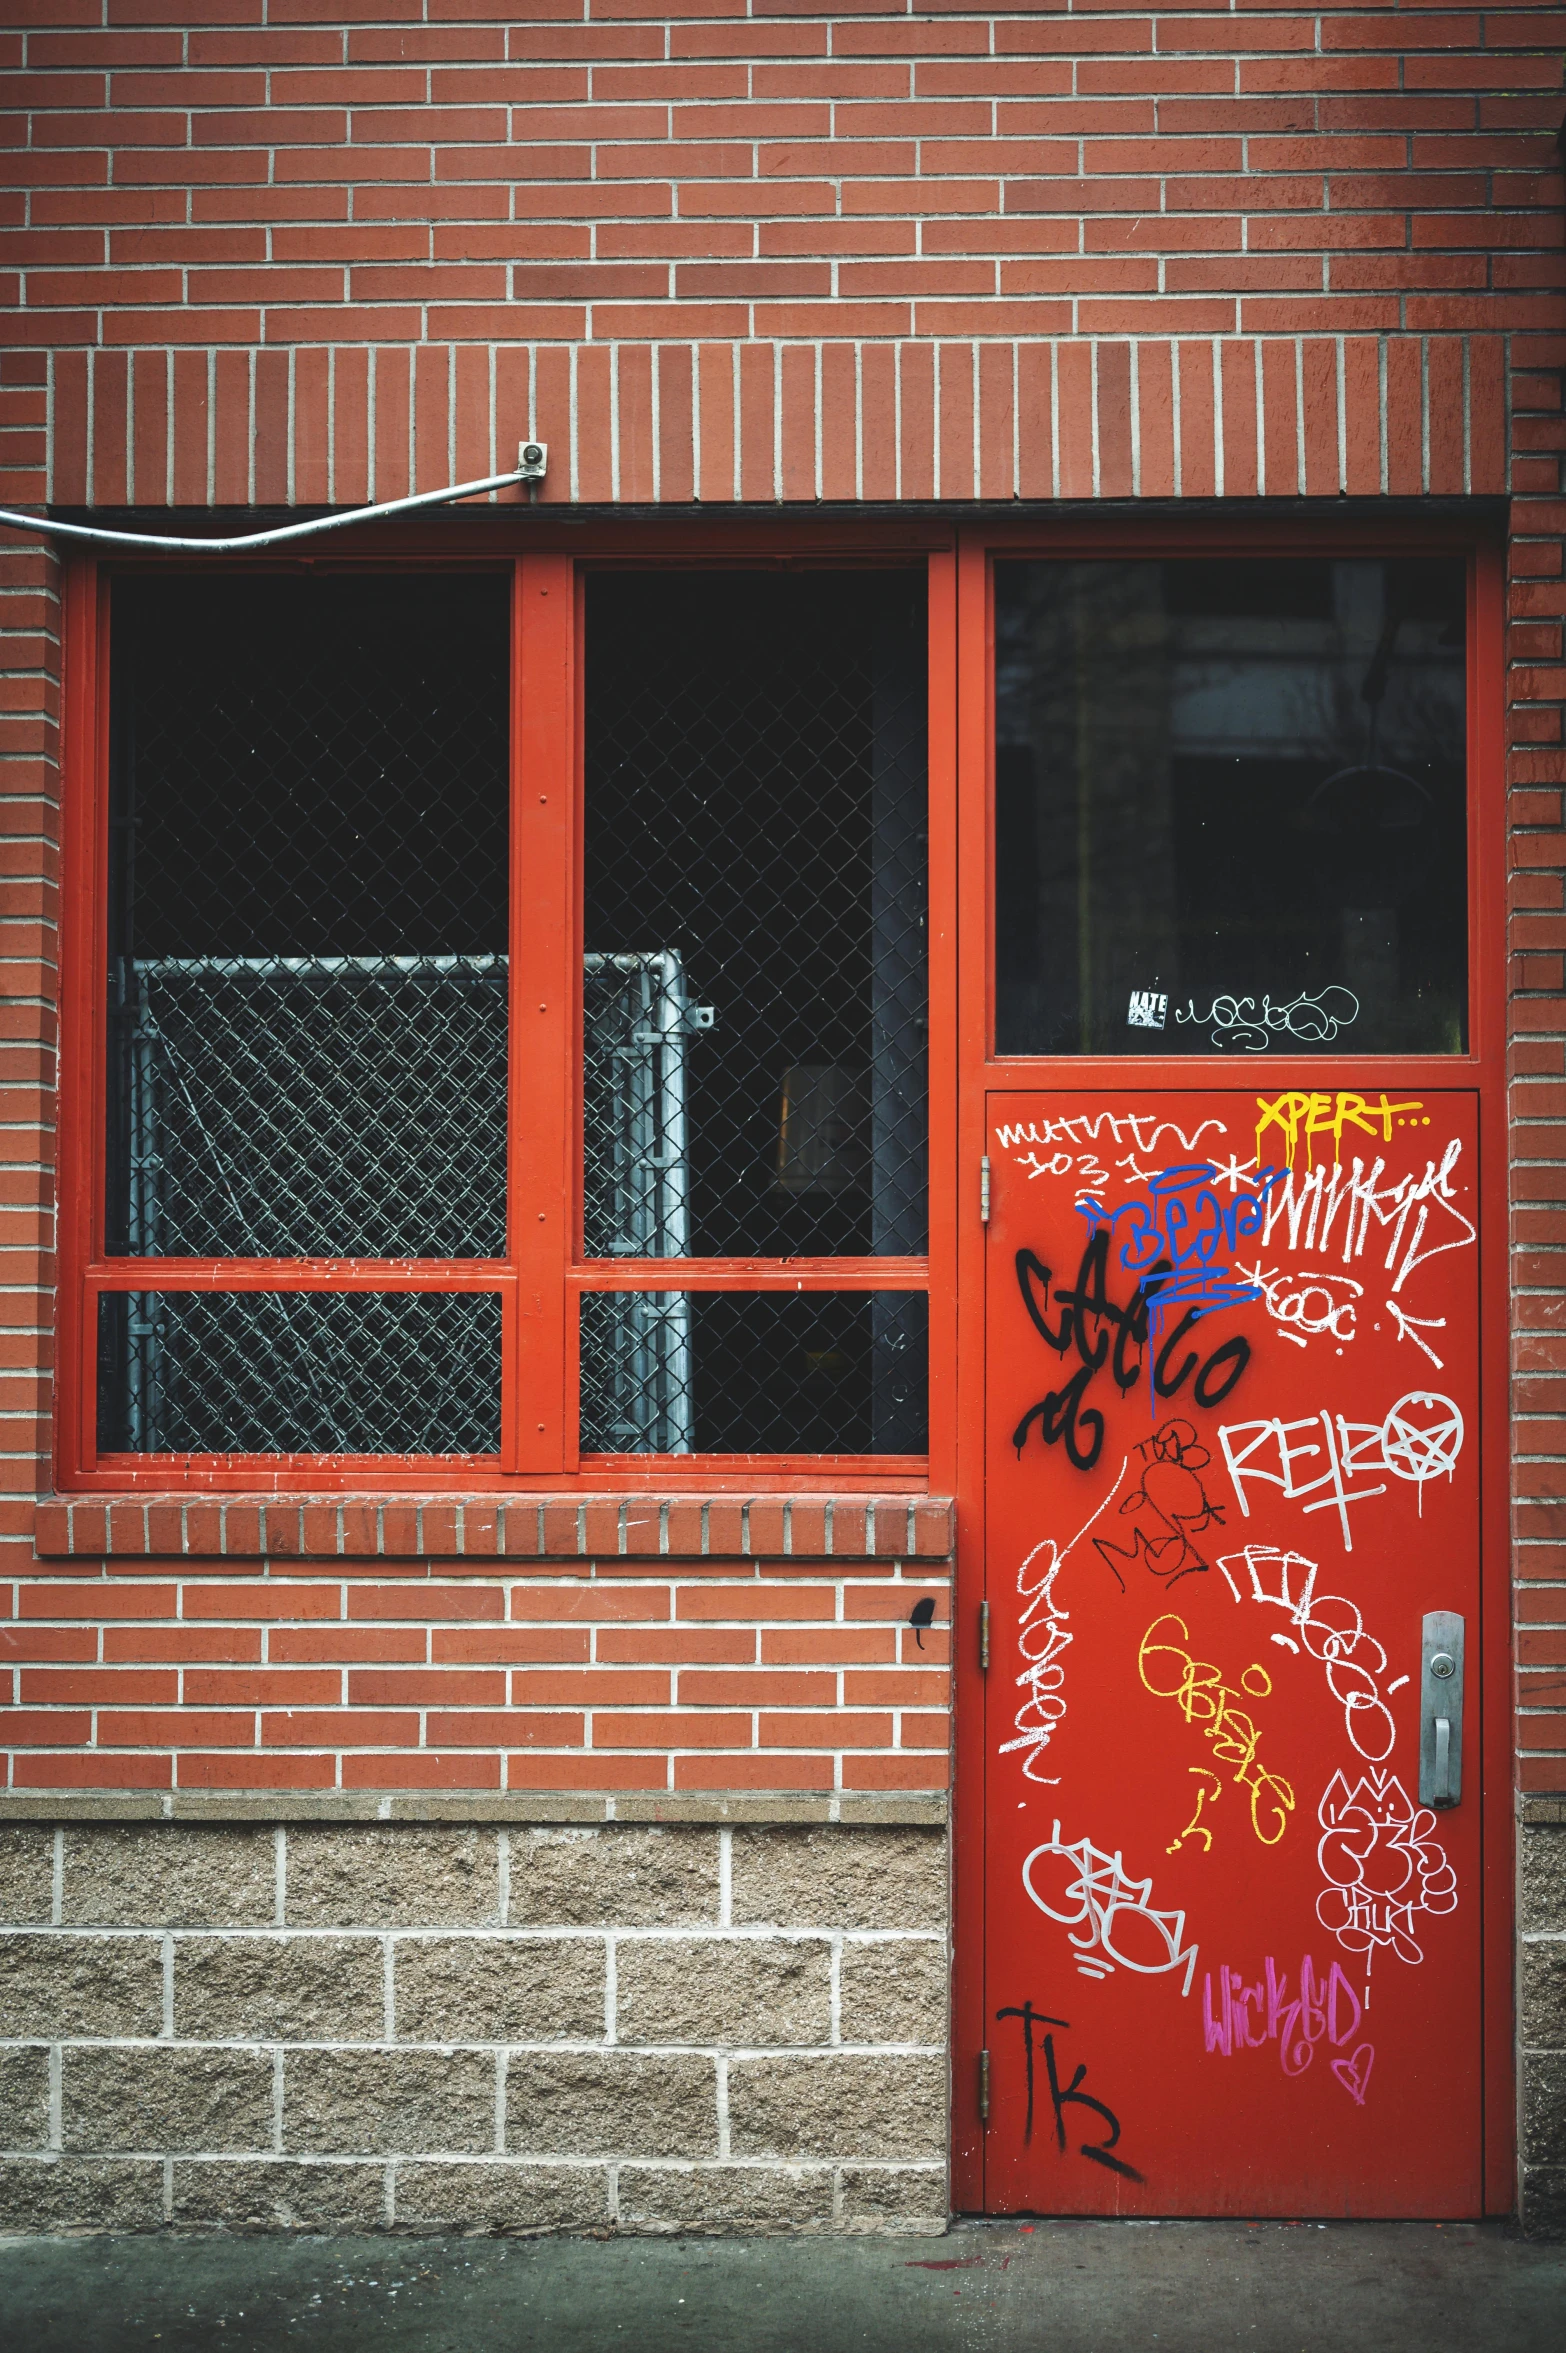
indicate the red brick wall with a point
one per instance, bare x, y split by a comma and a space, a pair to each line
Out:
1536, 682
336, 255
648, 1646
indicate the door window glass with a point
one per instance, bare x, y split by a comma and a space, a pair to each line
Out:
1229, 807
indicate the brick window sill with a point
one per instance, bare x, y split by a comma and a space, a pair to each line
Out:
480, 1530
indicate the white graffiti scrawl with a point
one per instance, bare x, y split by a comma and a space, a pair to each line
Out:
1331, 1630
1111, 1918
1042, 1635
1381, 1865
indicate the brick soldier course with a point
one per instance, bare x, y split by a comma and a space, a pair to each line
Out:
581, 1862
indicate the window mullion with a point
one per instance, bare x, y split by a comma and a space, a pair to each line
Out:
538, 1429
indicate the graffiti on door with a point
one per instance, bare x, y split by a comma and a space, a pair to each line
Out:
1228, 1324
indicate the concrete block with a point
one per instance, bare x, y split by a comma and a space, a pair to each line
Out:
835, 1878
838, 2107
725, 2197
1541, 2205
1541, 1878
879, 2198
609, 1878
499, 1989
498, 2197
270, 2193
372, 2103
1541, 1996
280, 1988
53, 1985
393, 1876
169, 1875
26, 1874
1542, 2107
709, 1990
24, 2099
610, 2104
80, 2193
894, 1993
167, 2100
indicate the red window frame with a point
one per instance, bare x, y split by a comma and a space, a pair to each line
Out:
541, 1280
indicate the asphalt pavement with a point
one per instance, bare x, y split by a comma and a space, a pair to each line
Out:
1057, 2287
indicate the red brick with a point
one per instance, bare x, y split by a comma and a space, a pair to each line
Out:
554, 1771
593, 1687
95, 1686
148, 1728
338, 1728
90, 1770
505, 1728
759, 1603
666, 1730
754, 1772
431, 1601
511, 1646
226, 1770
420, 1771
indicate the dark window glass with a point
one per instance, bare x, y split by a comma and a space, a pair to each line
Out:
307, 952
768, 1372
1230, 807
754, 994
299, 1372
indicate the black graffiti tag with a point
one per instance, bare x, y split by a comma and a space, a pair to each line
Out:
1165, 1509
1106, 1332
1065, 2096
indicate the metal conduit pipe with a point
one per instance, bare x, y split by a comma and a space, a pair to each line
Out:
533, 460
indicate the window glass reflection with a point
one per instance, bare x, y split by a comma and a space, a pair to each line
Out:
1230, 807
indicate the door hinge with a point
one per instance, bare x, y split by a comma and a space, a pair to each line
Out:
984, 2087
984, 1636
984, 1190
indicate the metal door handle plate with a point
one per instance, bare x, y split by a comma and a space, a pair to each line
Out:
1441, 1710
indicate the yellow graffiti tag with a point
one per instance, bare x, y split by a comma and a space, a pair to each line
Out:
1301, 1118
1196, 1827
1204, 1698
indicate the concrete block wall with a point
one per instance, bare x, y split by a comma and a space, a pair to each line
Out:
447, 2025
1541, 2016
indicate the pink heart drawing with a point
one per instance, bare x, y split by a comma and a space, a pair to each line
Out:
1354, 2072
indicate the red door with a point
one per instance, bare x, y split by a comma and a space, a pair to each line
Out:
1233, 1957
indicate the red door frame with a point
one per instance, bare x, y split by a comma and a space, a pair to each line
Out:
545, 555
981, 1073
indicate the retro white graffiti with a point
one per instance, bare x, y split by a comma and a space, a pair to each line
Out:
1419, 1440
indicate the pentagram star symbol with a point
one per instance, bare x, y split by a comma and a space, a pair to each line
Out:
1422, 1437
